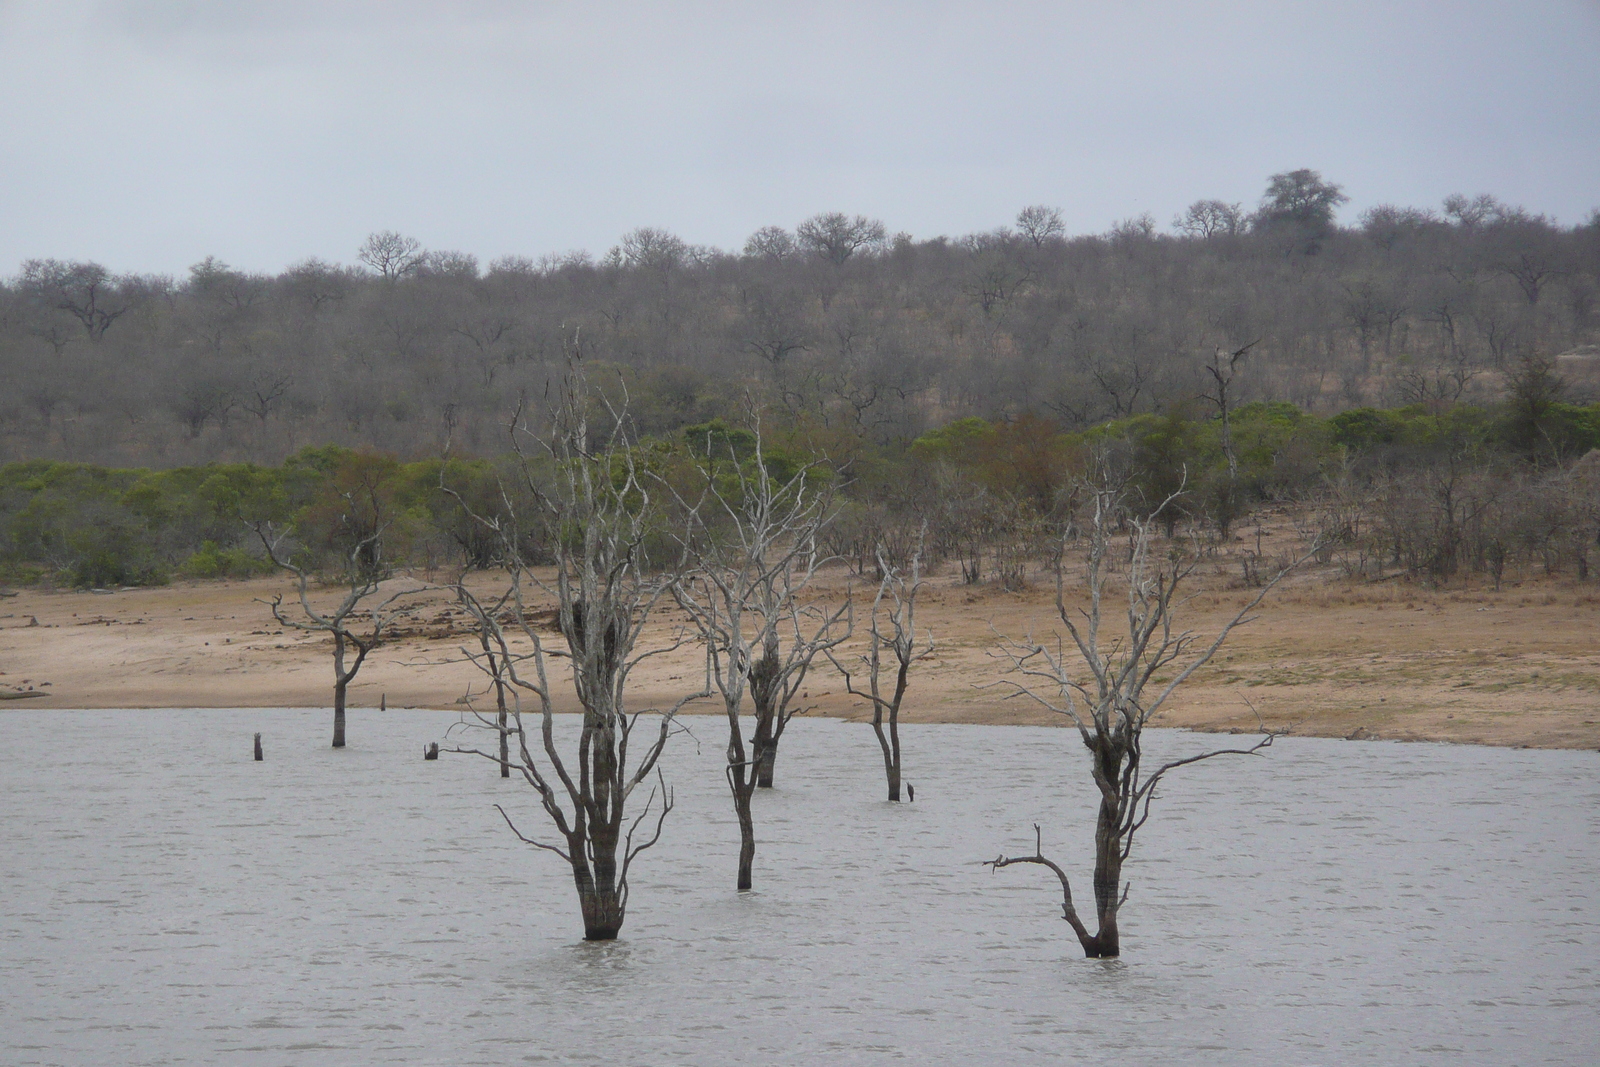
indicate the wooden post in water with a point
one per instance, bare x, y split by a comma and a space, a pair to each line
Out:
258, 748
383, 702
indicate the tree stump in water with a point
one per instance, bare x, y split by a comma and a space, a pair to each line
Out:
431, 750
258, 748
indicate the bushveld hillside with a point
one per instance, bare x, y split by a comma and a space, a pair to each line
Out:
837, 327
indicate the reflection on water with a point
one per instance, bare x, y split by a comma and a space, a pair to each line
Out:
168, 901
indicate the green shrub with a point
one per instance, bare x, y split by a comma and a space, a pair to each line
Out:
213, 562
107, 566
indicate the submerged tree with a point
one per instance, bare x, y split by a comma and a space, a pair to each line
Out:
580, 496
1099, 682
357, 517
893, 631
752, 535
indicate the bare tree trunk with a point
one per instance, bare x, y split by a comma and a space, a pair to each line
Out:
500, 705
1107, 880
747, 830
889, 742
505, 747
505, 744
894, 749
601, 902
766, 762
343, 677
762, 753
766, 678
340, 682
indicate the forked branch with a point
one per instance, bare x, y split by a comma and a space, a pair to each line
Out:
1068, 911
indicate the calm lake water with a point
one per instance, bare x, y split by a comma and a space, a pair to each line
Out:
169, 901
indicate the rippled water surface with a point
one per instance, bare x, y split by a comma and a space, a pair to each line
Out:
168, 901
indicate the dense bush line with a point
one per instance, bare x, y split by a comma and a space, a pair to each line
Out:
1429, 491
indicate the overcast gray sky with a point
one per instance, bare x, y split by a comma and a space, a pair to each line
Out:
147, 135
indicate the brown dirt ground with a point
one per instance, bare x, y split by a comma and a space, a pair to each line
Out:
1327, 656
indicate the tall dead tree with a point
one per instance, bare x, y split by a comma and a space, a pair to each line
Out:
752, 540
892, 645
581, 497
1099, 681
1223, 368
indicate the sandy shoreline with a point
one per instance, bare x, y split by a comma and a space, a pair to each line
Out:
1330, 658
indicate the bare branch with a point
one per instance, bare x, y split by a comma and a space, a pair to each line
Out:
528, 840
1068, 911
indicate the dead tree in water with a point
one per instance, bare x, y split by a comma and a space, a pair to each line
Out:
893, 630
490, 663
585, 501
1099, 682
752, 540
354, 623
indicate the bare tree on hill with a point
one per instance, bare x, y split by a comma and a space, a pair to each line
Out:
770, 242
392, 255
1040, 224
1211, 218
836, 237
85, 291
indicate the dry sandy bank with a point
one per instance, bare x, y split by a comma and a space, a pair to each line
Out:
1517, 667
